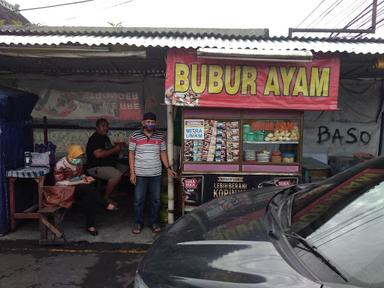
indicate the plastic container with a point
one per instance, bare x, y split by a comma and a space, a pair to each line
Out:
27, 159
249, 155
263, 156
276, 157
259, 136
288, 157
246, 128
250, 136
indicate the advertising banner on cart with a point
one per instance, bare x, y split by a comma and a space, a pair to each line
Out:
197, 82
198, 189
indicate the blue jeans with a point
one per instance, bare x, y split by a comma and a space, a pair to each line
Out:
152, 185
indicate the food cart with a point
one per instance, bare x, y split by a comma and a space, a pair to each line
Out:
242, 120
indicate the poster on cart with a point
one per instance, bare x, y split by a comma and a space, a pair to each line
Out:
194, 129
192, 189
216, 186
200, 82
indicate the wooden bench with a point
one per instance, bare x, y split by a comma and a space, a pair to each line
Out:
51, 230
51, 219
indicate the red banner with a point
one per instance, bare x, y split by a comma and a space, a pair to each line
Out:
193, 81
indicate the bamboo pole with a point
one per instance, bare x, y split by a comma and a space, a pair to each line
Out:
171, 190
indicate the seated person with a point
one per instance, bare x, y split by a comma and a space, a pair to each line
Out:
102, 160
70, 169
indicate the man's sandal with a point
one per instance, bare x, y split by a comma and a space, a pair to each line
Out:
136, 229
111, 207
156, 228
93, 231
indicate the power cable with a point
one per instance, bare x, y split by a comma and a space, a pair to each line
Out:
335, 14
379, 12
326, 12
316, 19
350, 10
53, 6
360, 35
330, 20
346, 13
104, 8
122, 3
310, 13
357, 18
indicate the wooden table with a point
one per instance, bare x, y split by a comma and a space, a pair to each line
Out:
36, 173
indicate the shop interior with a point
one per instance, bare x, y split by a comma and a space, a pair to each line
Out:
62, 116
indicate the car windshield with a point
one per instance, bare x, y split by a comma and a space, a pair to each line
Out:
343, 219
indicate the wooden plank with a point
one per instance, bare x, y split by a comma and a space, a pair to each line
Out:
57, 233
51, 209
11, 191
33, 208
26, 215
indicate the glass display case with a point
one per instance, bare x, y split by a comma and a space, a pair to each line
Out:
242, 141
271, 141
221, 142
226, 152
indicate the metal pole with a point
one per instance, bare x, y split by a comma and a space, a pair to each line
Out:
171, 190
374, 15
45, 129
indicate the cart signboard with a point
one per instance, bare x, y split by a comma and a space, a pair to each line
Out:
196, 82
198, 189
193, 129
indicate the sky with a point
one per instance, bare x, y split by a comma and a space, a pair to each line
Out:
276, 15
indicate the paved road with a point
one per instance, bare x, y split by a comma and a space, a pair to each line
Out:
25, 264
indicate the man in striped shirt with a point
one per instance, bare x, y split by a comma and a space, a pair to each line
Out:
147, 149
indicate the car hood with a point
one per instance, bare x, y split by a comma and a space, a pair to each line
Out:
222, 263
223, 243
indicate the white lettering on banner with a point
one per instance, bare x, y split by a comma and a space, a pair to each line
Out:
224, 192
227, 185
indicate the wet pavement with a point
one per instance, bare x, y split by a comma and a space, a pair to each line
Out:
25, 264
107, 260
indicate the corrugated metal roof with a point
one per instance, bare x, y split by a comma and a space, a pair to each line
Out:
8, 15
230, 33
180, 38
273, 44
122, 65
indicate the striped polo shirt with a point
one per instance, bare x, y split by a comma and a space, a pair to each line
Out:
147, 152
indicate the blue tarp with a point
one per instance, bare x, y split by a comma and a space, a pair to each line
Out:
16, 104
16, 136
